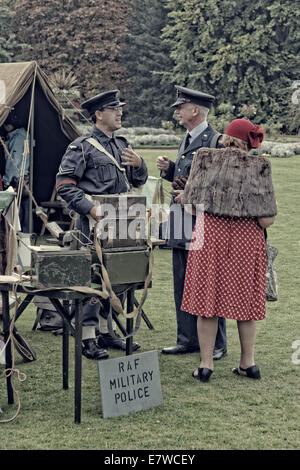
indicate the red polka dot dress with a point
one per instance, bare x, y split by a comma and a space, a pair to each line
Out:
226, 269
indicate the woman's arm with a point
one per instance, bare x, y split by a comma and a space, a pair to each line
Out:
265, 222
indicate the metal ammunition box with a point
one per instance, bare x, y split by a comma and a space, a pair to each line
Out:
122, 232
124, 220
126, 266
121, 205
123, 236
61, 268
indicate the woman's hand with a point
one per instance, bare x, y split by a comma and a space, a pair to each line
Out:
265, 222
179, 183
178, 195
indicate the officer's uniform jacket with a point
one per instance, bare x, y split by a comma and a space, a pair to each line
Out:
86, 170
181, 223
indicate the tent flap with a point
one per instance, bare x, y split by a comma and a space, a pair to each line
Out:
52, 129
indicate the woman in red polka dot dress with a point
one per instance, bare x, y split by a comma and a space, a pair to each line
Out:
226, 266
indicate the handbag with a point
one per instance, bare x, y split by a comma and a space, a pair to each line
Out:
271, 274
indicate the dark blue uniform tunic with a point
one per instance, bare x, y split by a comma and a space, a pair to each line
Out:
86, 170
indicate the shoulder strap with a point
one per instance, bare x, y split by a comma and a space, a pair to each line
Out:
100, 147
215, 139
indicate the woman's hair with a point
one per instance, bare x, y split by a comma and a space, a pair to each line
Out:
241, 131
229, 141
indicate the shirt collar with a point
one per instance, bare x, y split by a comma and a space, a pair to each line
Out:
198, 130
97, 133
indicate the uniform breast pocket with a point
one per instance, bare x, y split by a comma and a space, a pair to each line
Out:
104, 169
107, 172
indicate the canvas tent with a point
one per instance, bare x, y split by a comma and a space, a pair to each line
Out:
25, 87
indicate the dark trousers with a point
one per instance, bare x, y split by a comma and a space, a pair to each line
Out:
93, 307
186, 323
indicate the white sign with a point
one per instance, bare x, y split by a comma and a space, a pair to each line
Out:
130, 383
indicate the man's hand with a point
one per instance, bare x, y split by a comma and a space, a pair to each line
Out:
130, 158
163, 163
178, 195
95, 212
179, 183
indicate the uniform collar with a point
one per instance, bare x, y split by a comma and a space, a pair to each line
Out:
100, 135
198, 130
198, 140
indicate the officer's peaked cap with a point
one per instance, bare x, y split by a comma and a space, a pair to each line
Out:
186, 95
103, 100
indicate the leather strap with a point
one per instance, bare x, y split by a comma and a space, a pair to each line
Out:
20, 280
100, 147
214, 140
115, 302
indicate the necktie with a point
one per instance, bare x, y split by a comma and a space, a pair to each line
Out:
187, 141
114, 150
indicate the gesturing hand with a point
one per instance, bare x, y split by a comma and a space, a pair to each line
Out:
130, 157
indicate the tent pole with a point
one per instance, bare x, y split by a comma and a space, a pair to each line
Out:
32, 144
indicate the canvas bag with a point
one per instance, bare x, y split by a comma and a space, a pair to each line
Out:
47, 317
271, 274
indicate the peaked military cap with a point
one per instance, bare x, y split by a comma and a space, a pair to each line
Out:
186, 95
103, 100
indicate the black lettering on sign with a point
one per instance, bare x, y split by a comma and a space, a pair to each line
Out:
131, 395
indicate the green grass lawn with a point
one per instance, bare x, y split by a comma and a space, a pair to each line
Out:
227, 413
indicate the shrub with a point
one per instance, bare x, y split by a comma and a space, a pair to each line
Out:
143, 131
147, 136
283, 150
278, 149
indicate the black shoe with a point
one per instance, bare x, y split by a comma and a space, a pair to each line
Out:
251, 372
219, 354
106, 340
178, 349
91, 351
202, 373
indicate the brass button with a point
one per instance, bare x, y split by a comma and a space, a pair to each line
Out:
179, 170
183, 157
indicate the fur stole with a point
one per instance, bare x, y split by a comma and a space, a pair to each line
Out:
229, 182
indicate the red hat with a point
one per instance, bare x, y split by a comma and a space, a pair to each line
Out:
247, 131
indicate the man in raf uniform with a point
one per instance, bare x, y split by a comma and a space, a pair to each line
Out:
86, 170
192, 108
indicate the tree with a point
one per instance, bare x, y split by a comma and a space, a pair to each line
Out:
242, 52
82, 36
149, 90
9, 46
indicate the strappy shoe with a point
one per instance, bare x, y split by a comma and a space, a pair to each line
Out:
251, 372
202, 373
